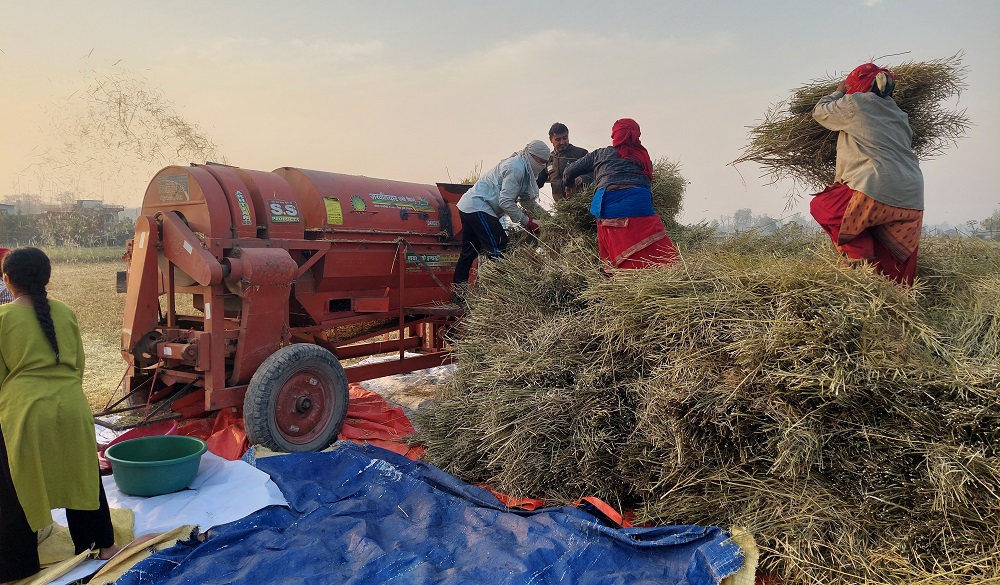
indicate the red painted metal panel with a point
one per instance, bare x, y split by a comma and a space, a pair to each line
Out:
276, 203
363, 206
225, 398
263, 285
237, 194
196, 195
182, 247
142, 303
370, 305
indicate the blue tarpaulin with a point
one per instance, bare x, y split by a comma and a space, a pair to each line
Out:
360, 514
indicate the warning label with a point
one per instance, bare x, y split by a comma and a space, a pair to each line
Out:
401, 201
334, 214
241, 200
435, 262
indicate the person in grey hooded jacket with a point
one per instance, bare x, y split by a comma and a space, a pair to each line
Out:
496, 194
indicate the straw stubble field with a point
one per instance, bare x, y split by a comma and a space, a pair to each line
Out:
85, 280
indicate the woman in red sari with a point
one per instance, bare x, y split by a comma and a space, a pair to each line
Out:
629, 232
874, 210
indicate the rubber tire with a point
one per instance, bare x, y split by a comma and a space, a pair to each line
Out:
259, 411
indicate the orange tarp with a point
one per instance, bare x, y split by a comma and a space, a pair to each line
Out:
370, 419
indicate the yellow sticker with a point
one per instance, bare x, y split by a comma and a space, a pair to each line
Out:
334, 215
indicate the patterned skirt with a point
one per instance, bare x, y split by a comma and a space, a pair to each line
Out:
866, 229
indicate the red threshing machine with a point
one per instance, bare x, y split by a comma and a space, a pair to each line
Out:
248, 288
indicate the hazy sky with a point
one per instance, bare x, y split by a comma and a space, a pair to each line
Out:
426, 91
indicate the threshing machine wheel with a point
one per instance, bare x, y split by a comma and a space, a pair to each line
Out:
297, 399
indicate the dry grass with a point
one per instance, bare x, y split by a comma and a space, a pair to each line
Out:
118, 129
849, 423
85, 280
790, 144
572, 216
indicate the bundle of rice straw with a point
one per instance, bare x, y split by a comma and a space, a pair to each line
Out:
962, 295
571, 220
572, 215
847, 422
789, 144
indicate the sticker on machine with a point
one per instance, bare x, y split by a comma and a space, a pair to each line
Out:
385, 200
284, 212
173, 188
334, 214
435, 262
241, 200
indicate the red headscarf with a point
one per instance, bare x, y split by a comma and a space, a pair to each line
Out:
863, 79
3, 252
625, 137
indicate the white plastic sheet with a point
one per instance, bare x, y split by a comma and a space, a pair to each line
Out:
224, 491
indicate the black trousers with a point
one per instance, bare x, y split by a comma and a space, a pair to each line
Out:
18, 542
481, 233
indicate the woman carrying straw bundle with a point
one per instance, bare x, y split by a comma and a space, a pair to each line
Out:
48, 448
874, 209
629, 232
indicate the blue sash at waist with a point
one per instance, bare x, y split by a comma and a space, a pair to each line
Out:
631, 202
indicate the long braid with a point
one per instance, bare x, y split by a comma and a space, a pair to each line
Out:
44, 314
29, 270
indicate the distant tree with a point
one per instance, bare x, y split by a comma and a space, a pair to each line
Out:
24, 203
121, 232
19, 230
808, 223
725, 224
992, 225
742, 219
66, 228
765, 224
64, 198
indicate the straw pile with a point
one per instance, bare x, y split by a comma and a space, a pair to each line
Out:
789, 144
573, 216
852, 425
571, 223
963, 294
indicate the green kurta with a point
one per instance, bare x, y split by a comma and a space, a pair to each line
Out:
44, 416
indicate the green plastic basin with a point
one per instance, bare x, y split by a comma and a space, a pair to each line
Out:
152, 466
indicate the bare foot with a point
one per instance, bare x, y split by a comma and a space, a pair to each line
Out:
106, 553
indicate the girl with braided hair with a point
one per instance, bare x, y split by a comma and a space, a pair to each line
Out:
48, 445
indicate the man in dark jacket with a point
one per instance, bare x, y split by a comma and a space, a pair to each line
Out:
563, 153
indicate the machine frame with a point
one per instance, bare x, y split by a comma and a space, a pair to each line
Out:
257, 291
